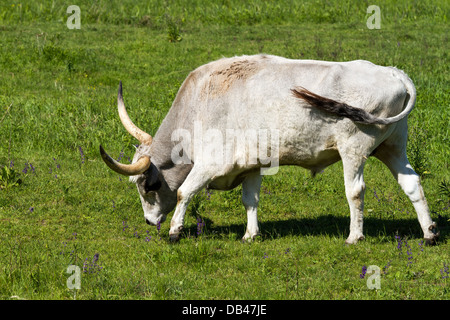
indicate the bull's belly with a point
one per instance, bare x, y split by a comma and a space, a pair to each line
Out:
229, 181
314, 162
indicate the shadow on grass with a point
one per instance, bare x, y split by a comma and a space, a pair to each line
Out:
329, 225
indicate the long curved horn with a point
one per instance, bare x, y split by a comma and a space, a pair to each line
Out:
126, 169
142, 136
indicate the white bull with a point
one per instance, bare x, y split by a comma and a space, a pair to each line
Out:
349, 111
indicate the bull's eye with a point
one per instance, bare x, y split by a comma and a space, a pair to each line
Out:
152, 187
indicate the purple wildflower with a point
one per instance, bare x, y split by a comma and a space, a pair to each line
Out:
57, 164
92, 267
25, 170
363, 272
399, 244
421, 245
65, 245
445, 271
409, 253
82, 155
120, 155
386, 267
375, 195
85, 263
200, 225
31, 209
158, 226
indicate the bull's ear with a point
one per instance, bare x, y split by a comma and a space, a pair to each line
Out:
152, 186
152, 179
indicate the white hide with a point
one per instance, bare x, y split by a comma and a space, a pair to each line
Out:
254, 93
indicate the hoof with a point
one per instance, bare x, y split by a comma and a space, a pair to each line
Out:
354, 240
250, 237
431, 241
175, 235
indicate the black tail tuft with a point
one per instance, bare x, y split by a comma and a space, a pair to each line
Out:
335, 107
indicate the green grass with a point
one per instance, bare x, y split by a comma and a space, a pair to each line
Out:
58, 93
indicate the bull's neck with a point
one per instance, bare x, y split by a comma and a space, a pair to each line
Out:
174, 174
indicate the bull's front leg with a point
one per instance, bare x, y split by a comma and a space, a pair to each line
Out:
195, 181
177, 222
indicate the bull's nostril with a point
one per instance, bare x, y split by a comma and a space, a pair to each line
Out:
148, 222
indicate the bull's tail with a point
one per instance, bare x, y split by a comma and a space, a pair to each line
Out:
356, 114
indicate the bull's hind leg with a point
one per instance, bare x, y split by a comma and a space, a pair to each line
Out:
354, 190
396, 160
250, 198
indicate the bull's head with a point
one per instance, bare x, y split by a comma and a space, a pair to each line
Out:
156, 196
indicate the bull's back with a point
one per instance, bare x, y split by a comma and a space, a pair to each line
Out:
262, 83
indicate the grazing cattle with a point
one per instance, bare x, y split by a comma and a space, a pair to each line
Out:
316, 113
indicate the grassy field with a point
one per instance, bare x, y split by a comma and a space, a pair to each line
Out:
60, 205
